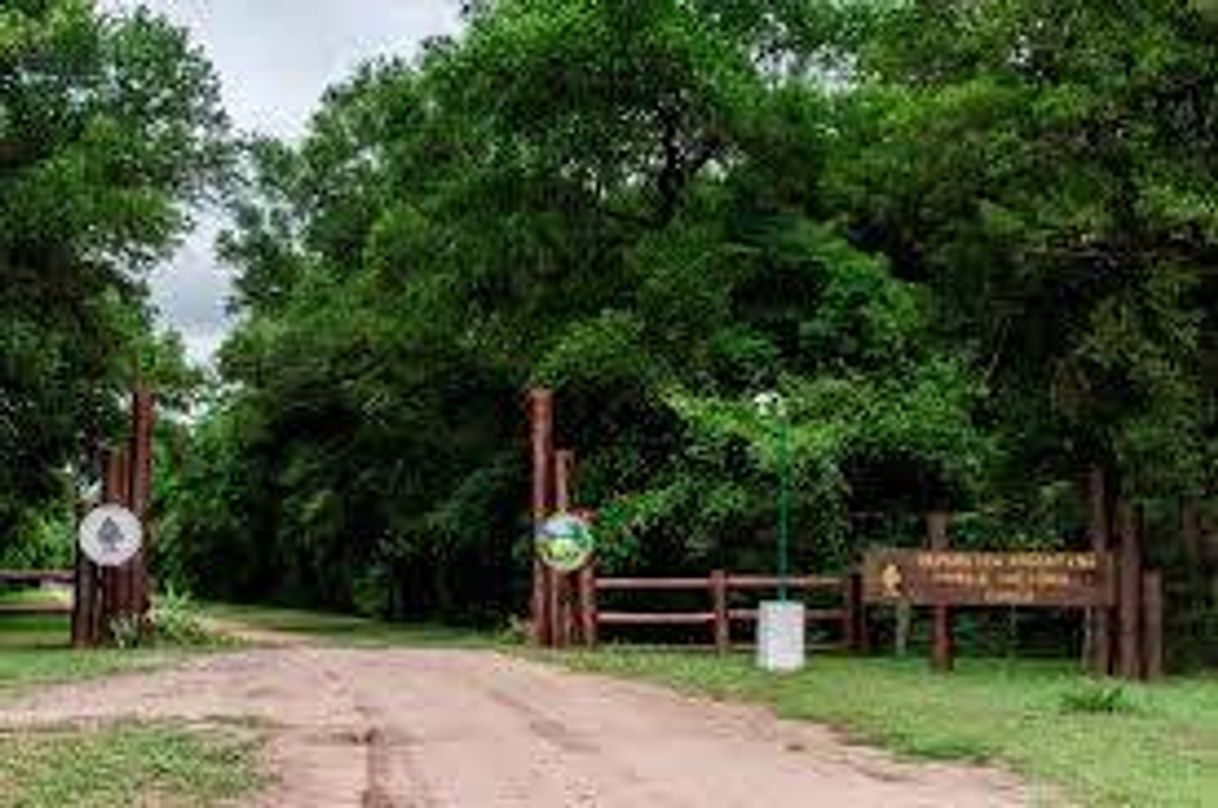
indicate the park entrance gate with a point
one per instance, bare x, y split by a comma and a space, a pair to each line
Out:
101, 596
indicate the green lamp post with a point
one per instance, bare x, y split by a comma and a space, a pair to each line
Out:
781, 623
772, 406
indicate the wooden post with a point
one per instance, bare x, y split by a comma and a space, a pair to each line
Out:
1098, 645
904, 615
84, 586
723, 628
105, 598
1129, 610
864, 633
124, 600
1152, 624
114, 485
541, 417
854, 621
143, 415
849, 630
942, 651
552, 630
564, 468
587, 605
95, 578
562, 589
118, 599
142, 422
84, 593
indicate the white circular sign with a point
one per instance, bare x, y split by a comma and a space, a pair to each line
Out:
111, 535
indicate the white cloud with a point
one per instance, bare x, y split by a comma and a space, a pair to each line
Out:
275, 58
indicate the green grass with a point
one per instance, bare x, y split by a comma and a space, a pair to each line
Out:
35, 651
1146, 746
33, 631
123, 764
33, 595
346, 630
126, 764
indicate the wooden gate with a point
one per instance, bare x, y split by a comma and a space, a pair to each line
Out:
724, 591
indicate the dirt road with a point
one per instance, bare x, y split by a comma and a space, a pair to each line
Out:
480, 730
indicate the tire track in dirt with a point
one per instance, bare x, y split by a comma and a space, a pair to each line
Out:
466, 729
376, 791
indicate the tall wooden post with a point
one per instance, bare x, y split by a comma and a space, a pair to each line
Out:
564, 469
1099, 635
854, 632
1129, 610
541, 418
116, 582
101, 595
143, 415
904, 623
84, 602
564, 618
587, 605
942, 651
98, 589
723, 628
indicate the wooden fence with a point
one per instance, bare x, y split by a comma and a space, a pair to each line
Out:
720, 615
36, 578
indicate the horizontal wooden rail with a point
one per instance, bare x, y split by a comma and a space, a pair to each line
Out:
651, 584
740, 582
36, 576
655, 618
809, 582
719, 586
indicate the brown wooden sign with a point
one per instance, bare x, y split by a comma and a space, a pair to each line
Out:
930, 578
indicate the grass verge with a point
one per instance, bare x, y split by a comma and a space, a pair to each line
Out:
162, 764
1140, 745
35, 651
346, 630
126, 764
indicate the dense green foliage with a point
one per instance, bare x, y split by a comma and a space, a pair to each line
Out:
970, 243
108, 126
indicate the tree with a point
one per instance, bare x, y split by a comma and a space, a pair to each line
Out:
110, 126
1045, 168
619, 200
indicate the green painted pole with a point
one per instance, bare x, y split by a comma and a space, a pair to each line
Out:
784, 505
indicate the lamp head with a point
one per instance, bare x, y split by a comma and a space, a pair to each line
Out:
770, 404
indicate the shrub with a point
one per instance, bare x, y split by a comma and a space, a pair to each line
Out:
1097, 698
173, 620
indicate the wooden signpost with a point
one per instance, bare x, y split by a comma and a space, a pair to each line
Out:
541, 420
1112, 588
104, 594
946, 578
561, 599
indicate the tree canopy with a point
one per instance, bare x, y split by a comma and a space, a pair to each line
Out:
110, 126
968, 242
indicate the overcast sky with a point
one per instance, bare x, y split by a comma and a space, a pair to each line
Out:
275, 57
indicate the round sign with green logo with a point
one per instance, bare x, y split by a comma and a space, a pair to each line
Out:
565, 542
